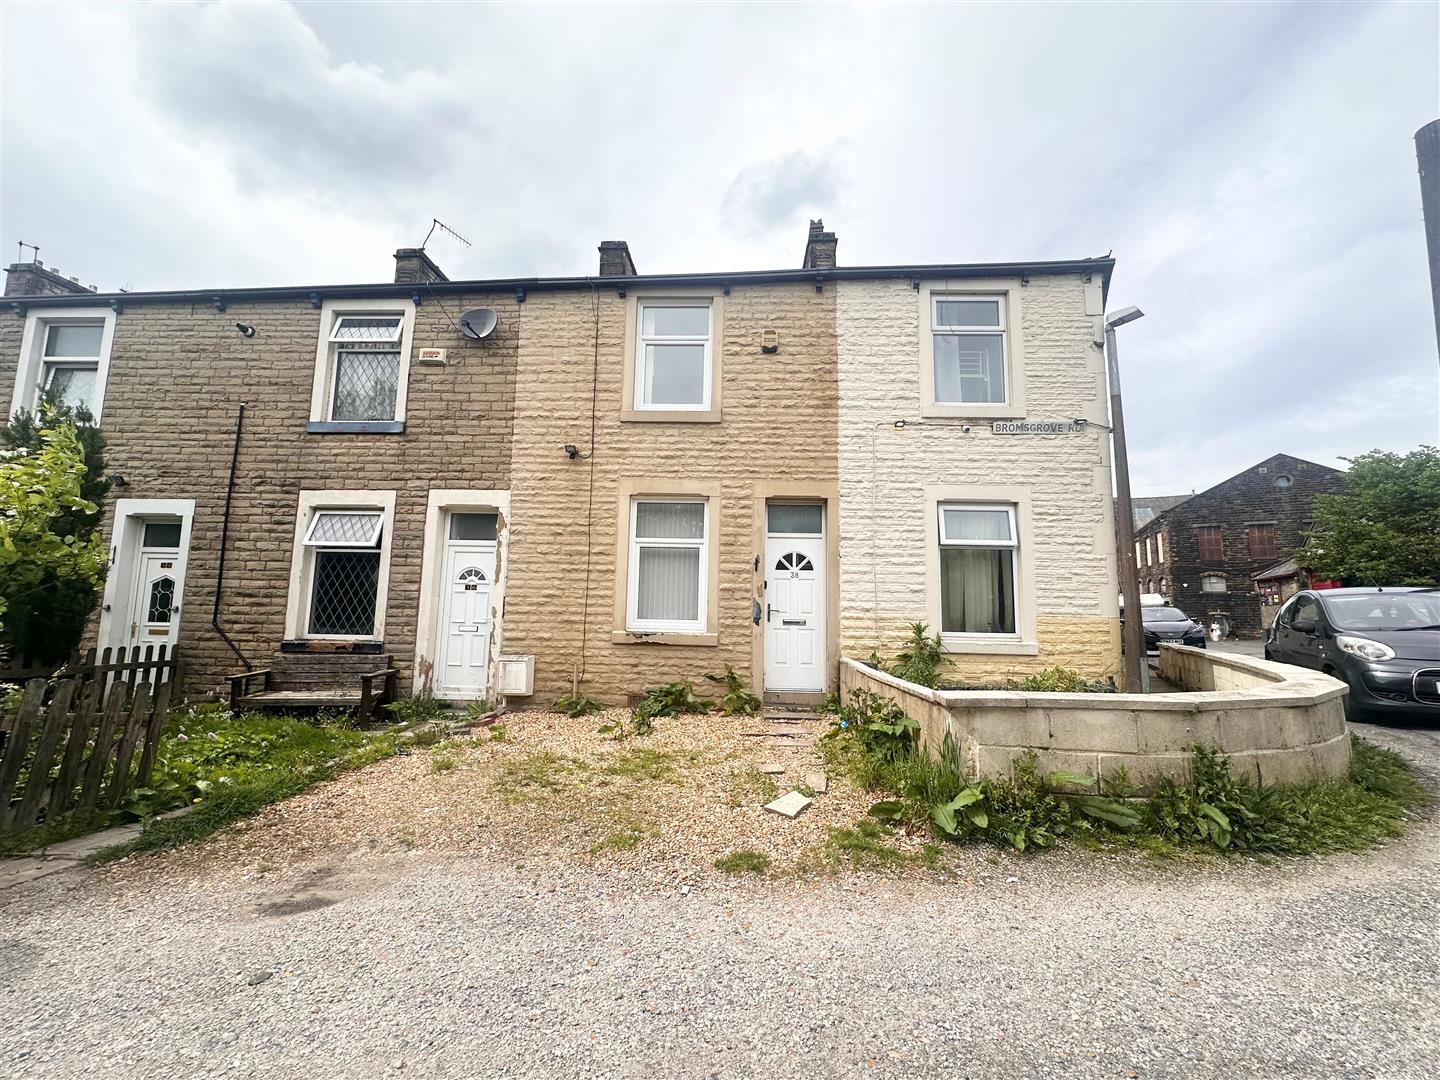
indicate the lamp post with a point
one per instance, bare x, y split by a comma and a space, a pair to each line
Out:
1132, 634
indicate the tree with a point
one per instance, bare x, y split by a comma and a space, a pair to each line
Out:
1386, 529
51, 556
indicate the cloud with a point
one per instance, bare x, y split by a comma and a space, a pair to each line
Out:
781, 191
1251, 166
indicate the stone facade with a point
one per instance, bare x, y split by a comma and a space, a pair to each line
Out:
176, 379
777, 423
893, 460
1278, 494
813, 369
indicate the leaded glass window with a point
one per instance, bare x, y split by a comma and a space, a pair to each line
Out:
344, 572
366, 370
162, 600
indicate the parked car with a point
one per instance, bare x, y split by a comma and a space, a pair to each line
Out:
1385, 643
1172, 625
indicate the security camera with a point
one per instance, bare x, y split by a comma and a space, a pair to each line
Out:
245, 331
965, 429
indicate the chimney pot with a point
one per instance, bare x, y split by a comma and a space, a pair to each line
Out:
615, 260
819, 247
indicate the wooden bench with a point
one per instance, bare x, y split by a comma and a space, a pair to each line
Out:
316, 681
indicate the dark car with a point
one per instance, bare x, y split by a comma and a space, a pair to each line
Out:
1384, 642
1172, 625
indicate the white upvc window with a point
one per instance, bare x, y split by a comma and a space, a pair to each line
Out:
674, 347
968, 334
65, 352
668, 565
362, 364
979, 546
339, 573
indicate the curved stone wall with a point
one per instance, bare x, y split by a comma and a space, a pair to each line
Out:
1276, 723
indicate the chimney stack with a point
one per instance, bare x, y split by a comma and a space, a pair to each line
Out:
33, 279
414, 267
615, 259
819, 248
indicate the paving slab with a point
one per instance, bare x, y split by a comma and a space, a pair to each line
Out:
771, 769
789, 805
817, 782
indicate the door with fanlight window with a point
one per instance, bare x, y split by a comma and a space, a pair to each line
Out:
159, 578
795, 595
466, 606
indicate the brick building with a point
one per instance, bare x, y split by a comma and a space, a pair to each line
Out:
629, 479
1205, 552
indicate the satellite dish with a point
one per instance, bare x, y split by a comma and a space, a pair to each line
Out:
479, 323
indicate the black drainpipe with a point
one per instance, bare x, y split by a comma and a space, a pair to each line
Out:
224, 536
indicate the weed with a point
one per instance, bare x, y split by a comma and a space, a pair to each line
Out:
427, 735
921, 659
642, 763
743, 862
737, 700
1059, 680
418, 709
443, 764
619, 841
672, 699
864, 846
576, 704
534, 777
751, 787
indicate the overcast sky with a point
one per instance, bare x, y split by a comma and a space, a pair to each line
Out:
1251, 166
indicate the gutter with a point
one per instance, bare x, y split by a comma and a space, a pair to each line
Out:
316, 294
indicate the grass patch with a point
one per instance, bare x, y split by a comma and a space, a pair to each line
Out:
642, 763
751, 787
743, 862
625, 840
534, 777
443, 763
864, 846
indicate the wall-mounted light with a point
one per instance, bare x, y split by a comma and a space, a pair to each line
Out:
116, 480
246, 331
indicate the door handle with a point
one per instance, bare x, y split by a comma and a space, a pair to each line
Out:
767, 613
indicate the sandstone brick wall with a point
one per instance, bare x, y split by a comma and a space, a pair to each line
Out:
886, 527
177, 376
778, 423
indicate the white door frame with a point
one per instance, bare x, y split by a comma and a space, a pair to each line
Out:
127, 536
442, 502
813, 545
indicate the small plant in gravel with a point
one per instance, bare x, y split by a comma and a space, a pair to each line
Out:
626, 840
921, 659
443, 763
534, 777
576, 704
672, 699
737, 699
417, 709
494, 733
751, 787
743, 862
865, 845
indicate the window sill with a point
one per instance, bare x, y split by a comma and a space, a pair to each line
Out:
974, 411
355, 427
638, 637
988, 645
332, 645
671, 416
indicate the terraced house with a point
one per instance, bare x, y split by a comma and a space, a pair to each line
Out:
515, 487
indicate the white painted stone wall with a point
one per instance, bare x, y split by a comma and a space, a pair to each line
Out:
885, 523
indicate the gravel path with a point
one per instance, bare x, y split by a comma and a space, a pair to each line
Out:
390, 963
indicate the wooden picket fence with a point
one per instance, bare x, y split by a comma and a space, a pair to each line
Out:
73, 745
154, 664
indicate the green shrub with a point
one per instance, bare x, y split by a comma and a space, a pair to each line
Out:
672, 699
1059, 680
576, 704
921, 659
737, 701
419, 708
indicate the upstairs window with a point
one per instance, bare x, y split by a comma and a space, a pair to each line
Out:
72, 362
1211, 544
668, 555
968, 333
1262, 542
673, 359
978, 547
365, 377
362, 365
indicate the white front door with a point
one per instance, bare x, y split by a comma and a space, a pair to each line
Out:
463, 663
795, 613
154, 610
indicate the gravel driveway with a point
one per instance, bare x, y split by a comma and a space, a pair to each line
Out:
411, 964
